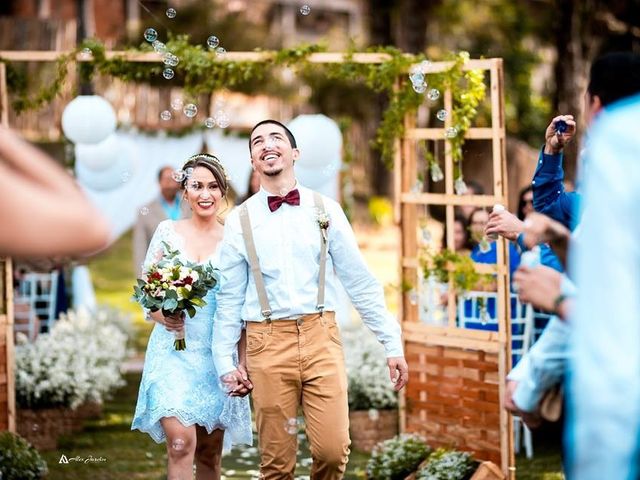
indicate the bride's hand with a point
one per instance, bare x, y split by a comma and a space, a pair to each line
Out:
174, 322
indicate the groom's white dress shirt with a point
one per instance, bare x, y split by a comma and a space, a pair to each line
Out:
288, 247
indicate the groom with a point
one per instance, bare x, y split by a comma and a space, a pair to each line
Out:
281, 252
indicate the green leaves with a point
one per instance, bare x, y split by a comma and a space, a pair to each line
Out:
448, 264
201, 72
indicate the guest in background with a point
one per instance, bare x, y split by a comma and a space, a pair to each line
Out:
252, 187
166, 206
473, 188
525, 202
461, 238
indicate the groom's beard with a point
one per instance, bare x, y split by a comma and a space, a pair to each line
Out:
273, 173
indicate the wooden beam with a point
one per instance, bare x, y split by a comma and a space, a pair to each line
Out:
450, 199
474, 133
484, 268
320, 57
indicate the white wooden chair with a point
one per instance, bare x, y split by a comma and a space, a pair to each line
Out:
35, 302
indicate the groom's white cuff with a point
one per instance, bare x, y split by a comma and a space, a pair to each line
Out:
224, 365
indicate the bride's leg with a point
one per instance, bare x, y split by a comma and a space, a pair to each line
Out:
181, 447
208, 454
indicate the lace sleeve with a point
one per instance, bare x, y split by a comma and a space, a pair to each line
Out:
156, 250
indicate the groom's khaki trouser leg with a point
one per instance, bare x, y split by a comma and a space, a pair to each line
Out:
299, 363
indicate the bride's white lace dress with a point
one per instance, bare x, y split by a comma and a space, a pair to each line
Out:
184, 384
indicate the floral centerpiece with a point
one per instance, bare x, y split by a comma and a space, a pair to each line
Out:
173, 285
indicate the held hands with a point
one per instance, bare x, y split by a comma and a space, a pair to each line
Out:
398, 372
237, 383
505, 224
555, 140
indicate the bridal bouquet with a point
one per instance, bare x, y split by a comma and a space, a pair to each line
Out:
173, 285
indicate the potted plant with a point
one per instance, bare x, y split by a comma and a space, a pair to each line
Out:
447, 465
397, 457
77, 362
19, 460
373, 403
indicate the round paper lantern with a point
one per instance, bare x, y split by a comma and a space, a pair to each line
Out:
316, 178
88, 119
115, 176
98, 156
319, 140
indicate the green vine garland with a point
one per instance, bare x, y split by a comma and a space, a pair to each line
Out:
199, 72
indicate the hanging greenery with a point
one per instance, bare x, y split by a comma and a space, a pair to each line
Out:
448, 265
200, 72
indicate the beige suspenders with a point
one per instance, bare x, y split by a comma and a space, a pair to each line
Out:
254, 263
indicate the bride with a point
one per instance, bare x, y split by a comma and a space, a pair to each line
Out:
180, 398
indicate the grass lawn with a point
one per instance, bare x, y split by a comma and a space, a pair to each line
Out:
133, 455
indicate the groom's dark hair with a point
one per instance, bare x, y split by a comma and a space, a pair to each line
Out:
292, 139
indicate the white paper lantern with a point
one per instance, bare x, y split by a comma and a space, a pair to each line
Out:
98, 156
319, 140
108, 179
88, 119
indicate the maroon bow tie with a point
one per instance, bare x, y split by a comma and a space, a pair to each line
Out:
292, 198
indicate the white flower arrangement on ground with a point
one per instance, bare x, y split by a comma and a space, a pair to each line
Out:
78, 361
367, 371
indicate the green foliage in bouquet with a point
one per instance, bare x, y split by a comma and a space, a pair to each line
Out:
172, 285
19, 460
397, 457
448, 465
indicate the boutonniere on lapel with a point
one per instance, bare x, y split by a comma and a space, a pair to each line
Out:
323, 223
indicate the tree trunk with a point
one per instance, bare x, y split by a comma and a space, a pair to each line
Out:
577, 45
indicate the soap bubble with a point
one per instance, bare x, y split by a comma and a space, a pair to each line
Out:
190, 110
433, 94
150, 35
213, 41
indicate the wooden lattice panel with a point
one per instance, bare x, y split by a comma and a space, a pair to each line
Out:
453, 398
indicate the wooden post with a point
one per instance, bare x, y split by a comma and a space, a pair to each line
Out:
4, 99
7, 384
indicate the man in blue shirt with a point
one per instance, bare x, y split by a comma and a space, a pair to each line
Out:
613, 77
597, 416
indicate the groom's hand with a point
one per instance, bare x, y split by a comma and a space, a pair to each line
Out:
398, 372
237, 383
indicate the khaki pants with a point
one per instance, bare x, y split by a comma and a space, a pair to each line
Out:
293, 363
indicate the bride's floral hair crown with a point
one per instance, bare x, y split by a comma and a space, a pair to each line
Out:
208, 161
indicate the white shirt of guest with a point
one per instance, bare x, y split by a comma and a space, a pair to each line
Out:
288, 246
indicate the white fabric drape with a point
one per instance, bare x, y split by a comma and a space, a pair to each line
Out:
141, 157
